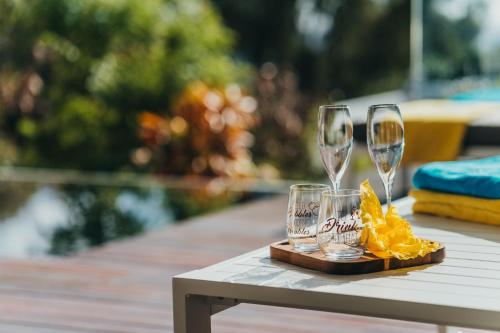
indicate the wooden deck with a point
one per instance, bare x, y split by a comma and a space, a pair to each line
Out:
126, 286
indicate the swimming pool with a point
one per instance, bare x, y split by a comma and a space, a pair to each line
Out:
51, 213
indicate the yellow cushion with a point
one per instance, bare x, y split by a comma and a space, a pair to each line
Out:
434, 129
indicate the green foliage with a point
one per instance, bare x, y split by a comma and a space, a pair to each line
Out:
449, 49
365, 50
77, 73
370, 57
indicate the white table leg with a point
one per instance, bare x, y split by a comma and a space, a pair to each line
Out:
442, 329
451, 329
197, 315
191, 313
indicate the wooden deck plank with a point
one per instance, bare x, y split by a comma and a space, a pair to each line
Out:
126, 286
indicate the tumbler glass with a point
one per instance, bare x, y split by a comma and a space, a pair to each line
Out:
303, 207
339, 225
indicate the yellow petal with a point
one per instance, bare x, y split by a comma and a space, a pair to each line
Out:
389, 235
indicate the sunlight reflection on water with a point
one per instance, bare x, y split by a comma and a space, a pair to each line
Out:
30, 229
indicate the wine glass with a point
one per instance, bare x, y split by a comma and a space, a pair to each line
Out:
335, 140
385, 138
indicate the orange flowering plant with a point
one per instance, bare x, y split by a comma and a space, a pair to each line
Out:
207, 133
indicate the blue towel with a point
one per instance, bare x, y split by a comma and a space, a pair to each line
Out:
478, 178
487, 95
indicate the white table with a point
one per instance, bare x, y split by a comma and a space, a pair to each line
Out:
462, 291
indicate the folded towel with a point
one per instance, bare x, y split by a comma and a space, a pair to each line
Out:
434, 129
457, 206
486, 94
477, 178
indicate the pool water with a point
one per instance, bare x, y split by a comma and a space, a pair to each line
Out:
38, 219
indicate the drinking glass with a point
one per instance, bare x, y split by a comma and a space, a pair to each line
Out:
340, 225
385, 138
303, 207
335, 140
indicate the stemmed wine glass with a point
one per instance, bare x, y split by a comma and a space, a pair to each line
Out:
385, 138
335, 140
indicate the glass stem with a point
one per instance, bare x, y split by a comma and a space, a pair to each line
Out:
388, 191
335, 185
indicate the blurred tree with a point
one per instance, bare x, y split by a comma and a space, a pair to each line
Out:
449, 43
113, 84
75, 75
348, 48
266, 29
280, 139
340, 48
362, 59
311, 50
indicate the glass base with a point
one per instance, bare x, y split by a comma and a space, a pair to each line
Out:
305, 247
351, 253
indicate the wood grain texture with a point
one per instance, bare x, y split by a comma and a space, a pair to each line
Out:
368, 263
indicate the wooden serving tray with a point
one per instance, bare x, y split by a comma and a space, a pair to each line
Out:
368, 263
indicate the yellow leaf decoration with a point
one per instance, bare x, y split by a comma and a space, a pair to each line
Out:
390, 235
